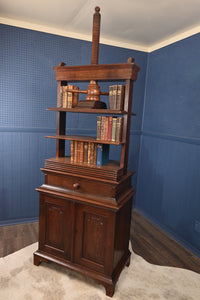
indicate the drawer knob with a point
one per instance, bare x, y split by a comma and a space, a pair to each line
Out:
76, 186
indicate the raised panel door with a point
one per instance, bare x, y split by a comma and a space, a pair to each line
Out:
94, 238
55, 226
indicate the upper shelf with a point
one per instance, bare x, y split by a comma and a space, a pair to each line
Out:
121, 71
90, 110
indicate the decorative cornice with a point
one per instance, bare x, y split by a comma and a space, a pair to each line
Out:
75, 35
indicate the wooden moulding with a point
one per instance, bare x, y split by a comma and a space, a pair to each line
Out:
97, 72
95, 189
110, 171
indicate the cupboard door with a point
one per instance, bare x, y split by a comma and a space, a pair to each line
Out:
94, 238
55, 226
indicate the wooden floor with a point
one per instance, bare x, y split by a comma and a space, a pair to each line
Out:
147, 240
157, 247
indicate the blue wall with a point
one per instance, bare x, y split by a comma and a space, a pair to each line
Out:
28, 87
165, 134
168, 190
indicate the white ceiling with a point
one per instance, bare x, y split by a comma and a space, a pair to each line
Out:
136, 24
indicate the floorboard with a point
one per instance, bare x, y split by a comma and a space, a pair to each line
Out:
156, 247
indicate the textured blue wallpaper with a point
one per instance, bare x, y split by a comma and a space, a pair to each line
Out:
168, 190
164, 145
27, 88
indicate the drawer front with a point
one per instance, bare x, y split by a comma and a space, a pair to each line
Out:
80, 184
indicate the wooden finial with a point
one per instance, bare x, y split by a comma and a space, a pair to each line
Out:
130, 60
97, 9
95, 36
61, 64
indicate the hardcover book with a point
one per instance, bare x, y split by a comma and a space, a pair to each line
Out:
114, 127
85, 153
110, 128
102, 154
98, 127
111, 97
120, 97
119, 128
64, 96
69, 96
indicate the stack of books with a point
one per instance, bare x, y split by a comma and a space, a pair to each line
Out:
89, 153
109, 128
69, 99
116, 97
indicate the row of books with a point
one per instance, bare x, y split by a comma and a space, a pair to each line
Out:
69, 99
109, 128
89, 153
116, 96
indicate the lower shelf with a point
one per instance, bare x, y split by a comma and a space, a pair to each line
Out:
111, 171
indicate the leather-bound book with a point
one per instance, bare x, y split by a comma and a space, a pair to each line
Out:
120, 97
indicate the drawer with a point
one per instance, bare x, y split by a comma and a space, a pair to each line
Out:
88, 185
80, 184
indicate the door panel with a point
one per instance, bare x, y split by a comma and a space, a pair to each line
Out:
55, 226
94, 238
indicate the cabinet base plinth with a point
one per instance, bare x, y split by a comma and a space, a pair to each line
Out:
108, 282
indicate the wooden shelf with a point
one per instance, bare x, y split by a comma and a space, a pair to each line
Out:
82, 139
90, 111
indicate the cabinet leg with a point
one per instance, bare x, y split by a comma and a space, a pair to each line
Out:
110, 289
36, 260
128, 262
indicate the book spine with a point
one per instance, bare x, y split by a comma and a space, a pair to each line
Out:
72, 151
99, 155
69, 96
102, 154
111, 96
64, 98
85, 153
89, 152
61, 96
114, 96
76, 152
114, 127
106, 129
120, 97
98, 127
110, 128
119, 127
81, 153
75, 97
103, 121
